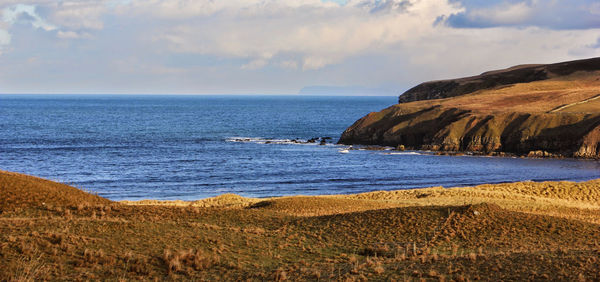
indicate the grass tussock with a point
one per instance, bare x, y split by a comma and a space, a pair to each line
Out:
188, 260
516, 231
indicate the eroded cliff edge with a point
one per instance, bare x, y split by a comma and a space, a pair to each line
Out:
558, 115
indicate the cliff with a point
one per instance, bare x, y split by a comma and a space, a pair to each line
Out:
535, 110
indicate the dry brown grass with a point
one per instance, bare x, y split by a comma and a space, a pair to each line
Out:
188, 260
221, 201
440, 234
318, 205
533, 97
577, 200
564, 199
24, 191
28, 268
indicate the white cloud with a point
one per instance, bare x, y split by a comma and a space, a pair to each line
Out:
292, 65
72, 34
313, 33
4, 37
507, 13
186, 9
472, 51
25, 13
69, 19
270, 45
78, 14
255, 64
551, 14
315, 62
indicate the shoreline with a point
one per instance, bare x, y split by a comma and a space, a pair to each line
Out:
236, 200
524, 196
430, 150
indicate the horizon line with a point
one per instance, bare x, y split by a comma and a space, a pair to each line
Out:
198, 94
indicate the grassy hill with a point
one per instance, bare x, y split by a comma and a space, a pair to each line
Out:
557, 116
497, 79
18, 191
514, 231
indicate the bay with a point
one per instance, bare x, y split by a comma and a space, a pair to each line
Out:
191, 147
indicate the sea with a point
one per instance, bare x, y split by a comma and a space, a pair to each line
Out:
166, 147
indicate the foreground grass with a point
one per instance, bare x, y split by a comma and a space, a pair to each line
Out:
521, 231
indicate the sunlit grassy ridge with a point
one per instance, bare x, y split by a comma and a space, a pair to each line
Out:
487, 232
533, 97
23, 191
555, 198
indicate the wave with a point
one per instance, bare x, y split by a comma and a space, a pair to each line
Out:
279, 141
404, 153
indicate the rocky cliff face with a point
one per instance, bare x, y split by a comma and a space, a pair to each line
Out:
558, 116
453, 129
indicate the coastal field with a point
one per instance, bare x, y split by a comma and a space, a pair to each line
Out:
513, 231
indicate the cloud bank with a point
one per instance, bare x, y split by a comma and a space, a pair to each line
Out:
274, 46
573, 14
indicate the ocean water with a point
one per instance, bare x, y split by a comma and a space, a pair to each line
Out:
192, 147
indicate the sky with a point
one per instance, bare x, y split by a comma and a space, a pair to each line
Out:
279, 46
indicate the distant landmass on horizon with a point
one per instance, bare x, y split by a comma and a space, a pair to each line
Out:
346, 91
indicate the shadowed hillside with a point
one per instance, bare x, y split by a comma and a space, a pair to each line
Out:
514, 231
557, 116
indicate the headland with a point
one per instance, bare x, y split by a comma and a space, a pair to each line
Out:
528, 110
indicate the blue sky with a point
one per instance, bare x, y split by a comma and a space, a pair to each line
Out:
279, 46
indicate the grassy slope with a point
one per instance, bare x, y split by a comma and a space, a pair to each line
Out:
488, 232
533, 97
19, 191
522, 74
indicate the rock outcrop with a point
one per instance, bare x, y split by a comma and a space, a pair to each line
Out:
558, 115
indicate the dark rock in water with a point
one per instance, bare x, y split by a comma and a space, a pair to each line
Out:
540, 154
323, 142
554, 117
537, 154
374, 148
